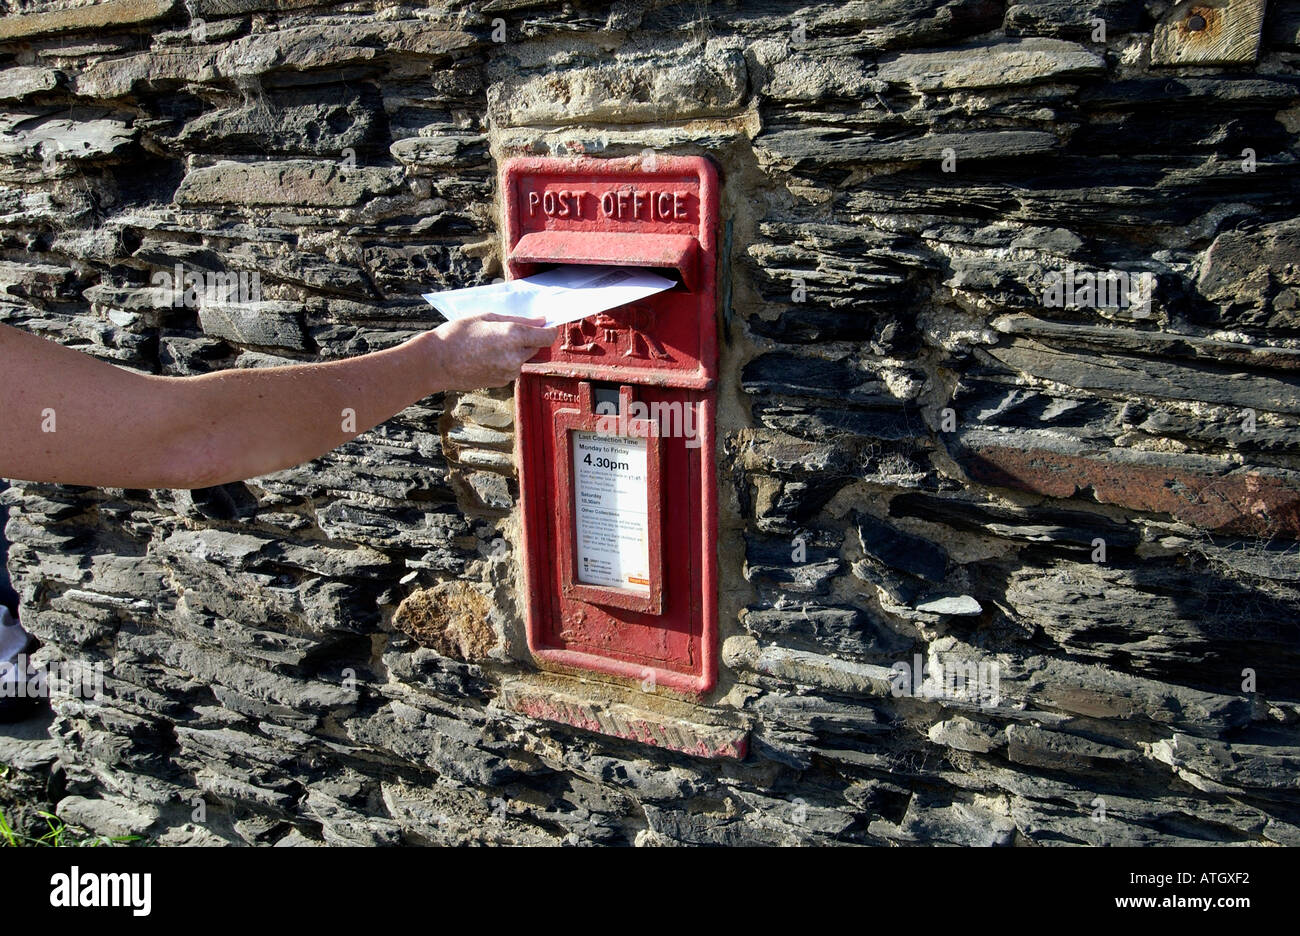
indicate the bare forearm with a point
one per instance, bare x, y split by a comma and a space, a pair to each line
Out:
245, 423
68, 418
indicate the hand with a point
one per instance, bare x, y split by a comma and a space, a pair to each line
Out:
487, 350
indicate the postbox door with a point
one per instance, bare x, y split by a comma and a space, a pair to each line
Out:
661, 631
595, 602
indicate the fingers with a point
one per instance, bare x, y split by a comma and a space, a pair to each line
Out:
529, 331
531, 336
489, 350
541, 337
509, 364
521, 319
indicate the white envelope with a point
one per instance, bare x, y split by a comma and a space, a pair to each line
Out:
564, 294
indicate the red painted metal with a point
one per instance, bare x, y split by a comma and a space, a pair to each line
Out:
658, 359
584, 419
673, 252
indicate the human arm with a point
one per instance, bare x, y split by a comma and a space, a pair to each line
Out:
69, 418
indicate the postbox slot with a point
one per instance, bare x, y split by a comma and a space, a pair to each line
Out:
675, 252
532, 269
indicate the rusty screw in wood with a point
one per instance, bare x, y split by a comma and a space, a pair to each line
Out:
1196, 22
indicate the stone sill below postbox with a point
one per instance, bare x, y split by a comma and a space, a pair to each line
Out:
625, 713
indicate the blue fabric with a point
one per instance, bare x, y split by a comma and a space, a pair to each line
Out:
8, 597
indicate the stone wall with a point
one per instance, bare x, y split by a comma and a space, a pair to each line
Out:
925, 454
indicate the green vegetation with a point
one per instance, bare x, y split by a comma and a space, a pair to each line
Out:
57, 834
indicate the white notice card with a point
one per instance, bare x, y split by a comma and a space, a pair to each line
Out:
612, 506
564, 294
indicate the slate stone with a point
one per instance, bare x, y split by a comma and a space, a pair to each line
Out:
905, 552
97, 16
24, 81
288, 182
957, 606
268, 324
775, 560
779, 373
1253, 277
319, 121
1068, 18
1155, 378
1060, 527
848, 630
809, 146
997, 65
708, 84
867, 285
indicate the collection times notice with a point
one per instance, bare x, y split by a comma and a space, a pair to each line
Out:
611, 504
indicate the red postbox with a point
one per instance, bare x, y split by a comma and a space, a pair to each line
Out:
615, 422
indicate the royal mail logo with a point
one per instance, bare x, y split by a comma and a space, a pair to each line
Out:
626, 333
75, 889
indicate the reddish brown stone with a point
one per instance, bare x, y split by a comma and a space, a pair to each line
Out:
1239, 501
